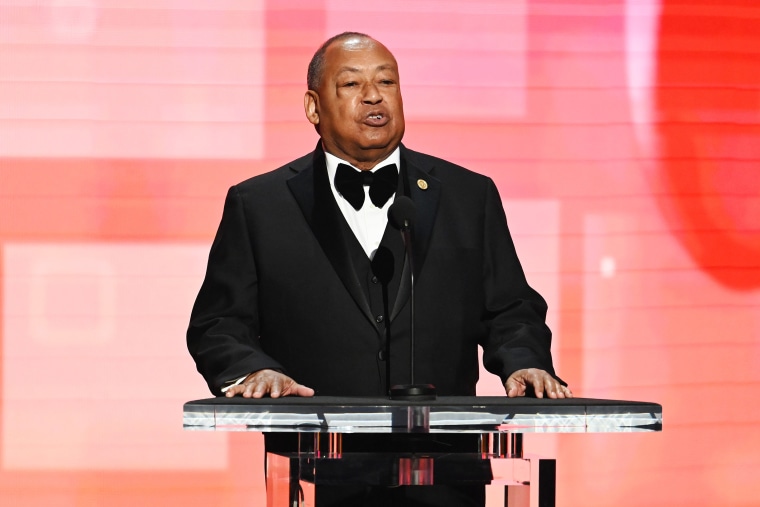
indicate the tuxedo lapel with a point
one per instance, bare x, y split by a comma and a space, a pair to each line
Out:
425, 192
311, 189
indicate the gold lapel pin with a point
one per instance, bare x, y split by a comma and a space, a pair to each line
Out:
422, 184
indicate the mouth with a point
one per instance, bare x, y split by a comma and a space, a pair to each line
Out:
376, 119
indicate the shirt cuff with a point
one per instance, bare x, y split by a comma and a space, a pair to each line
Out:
234, 383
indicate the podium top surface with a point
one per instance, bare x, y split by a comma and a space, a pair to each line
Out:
446, 414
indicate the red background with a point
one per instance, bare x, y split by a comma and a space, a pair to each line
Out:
629, 128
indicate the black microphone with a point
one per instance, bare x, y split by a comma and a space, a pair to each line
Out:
401, 216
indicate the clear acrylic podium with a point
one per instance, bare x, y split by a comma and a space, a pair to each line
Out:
496, 425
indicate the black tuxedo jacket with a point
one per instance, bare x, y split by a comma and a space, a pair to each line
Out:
285, 288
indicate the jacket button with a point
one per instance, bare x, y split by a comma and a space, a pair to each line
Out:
374, 279
381, 355
379, 319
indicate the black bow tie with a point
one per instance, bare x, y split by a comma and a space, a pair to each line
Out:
382, 184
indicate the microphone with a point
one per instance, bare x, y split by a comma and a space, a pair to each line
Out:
401, 216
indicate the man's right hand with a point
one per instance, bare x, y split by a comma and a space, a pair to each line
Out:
273, 383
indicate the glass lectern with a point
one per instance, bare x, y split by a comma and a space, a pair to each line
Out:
331, 450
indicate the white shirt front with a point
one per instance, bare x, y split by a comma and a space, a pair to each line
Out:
368, 224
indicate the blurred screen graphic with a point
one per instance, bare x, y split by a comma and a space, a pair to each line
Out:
623, 136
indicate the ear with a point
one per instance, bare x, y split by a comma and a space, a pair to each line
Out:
311, 106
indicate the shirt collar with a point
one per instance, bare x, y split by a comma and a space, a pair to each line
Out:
332, 163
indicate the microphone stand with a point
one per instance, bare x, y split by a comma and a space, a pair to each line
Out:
411, 391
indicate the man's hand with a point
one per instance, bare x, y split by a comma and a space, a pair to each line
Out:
541, 382
273, 383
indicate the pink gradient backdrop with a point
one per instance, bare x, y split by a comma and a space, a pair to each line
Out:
623, 136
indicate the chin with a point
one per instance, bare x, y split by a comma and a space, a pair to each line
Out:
375, 144
380, 142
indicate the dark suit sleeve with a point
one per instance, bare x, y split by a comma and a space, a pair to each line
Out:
515, 314
224, 326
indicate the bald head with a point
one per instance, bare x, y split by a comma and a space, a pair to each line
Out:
349, 40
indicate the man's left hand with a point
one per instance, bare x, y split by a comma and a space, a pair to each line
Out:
542, 383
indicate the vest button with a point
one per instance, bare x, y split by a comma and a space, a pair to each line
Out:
381, 355
374, 279
379, 319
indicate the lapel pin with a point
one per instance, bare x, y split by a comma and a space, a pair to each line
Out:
422, 184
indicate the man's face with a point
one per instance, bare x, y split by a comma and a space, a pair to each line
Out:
357, 108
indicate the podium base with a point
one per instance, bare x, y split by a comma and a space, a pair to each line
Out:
413, 392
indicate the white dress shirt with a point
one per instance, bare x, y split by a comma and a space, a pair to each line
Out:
368, 224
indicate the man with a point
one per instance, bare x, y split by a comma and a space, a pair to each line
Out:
306, 280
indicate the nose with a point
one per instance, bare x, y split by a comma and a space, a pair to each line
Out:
371, 94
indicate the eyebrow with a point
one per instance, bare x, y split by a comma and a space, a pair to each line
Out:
384, 66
